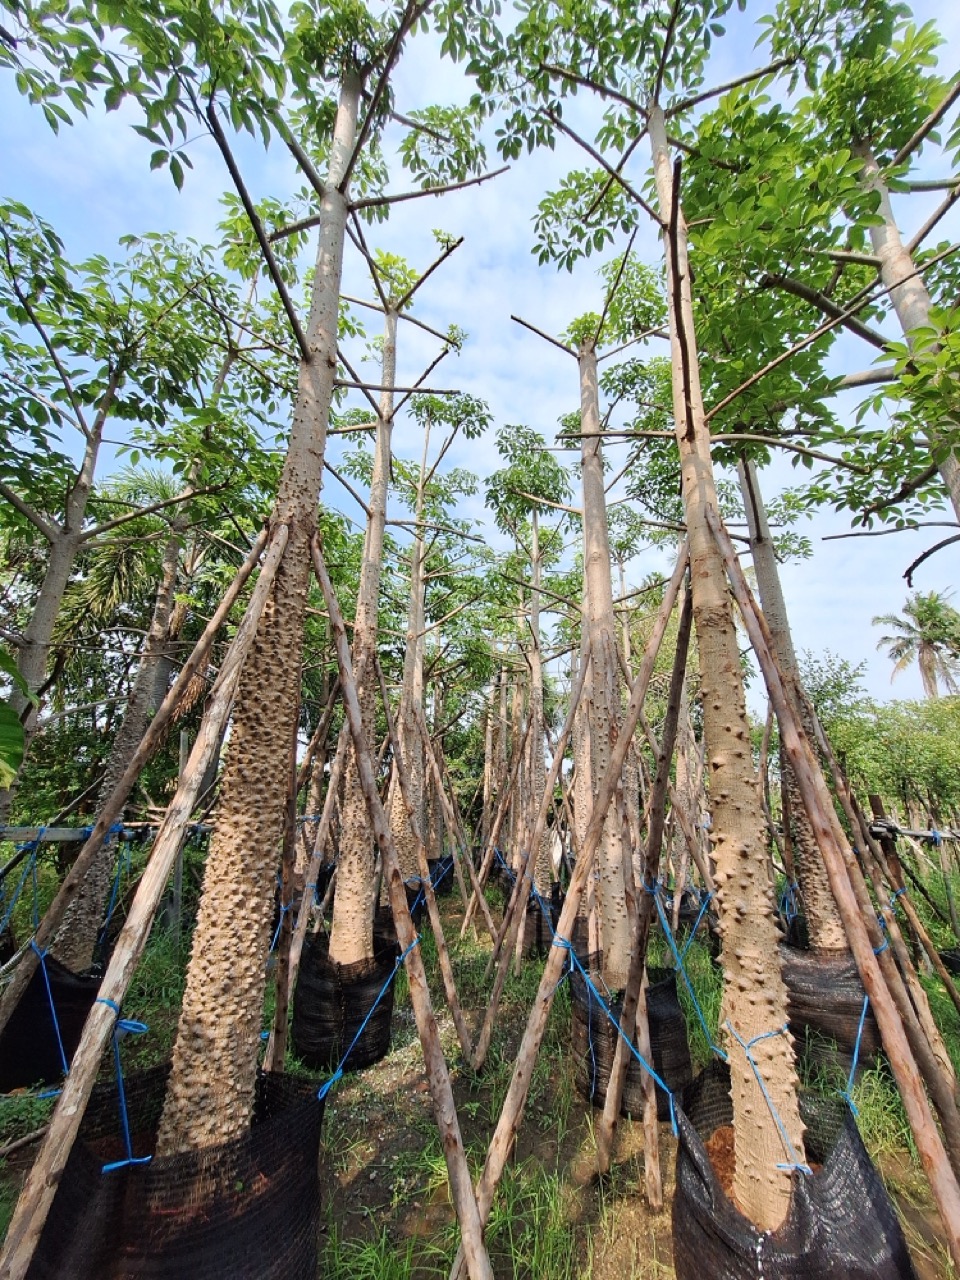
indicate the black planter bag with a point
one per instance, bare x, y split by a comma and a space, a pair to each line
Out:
538, 928
29, 1053
441, 875
248, 1208
824, 1004
951, 960
331, 1001
594, 1040
840, 1226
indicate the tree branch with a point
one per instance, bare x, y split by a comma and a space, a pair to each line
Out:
686, 103
776, 280
909, 571
455, 244
931, 122
41, 399
419, 383
150, 510
540, 334
49, 528
373, 202
262, 239
605, 164
357, 382
349, 488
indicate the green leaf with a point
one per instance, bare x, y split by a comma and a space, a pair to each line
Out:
11, 744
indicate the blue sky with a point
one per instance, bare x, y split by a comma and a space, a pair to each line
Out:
93, 183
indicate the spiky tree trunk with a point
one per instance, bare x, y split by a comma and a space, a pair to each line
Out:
909, 296
754, 994
823, 921
351, 937
211, 1089
411, 694
604, 700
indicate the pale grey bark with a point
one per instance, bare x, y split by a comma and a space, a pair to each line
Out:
909, 295
604, 700
351, 936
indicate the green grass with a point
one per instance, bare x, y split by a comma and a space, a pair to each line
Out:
380, 1259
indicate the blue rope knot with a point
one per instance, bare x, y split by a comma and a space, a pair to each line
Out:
877, 951
123, 1027
936, 837
897, 893
747, 1045
328, 1085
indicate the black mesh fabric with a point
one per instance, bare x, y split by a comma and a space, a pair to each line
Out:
840, 1225
248, 1208
538, 929
824, 1002
29, 1054
951, 960
331, 1001
594, 1040
442, 875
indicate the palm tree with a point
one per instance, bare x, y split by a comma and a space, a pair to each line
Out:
928, 633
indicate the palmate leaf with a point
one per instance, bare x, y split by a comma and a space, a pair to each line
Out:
11, 744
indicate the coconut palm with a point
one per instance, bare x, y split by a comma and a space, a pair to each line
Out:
928, 633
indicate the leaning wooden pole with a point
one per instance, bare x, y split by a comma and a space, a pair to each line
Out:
40, 1188
816, 799
438, 1076
505, 1133
113, 806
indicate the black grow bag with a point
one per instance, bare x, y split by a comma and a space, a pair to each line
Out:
539, 927
824, 1004
247, 1208
840, 1226
594, 1040
331, 1001
29, 1053
951, 960
441, 875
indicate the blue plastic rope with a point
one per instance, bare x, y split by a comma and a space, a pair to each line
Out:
28, 866
788, 902
936, 837
123, 864
338, 1073
848, 1092
897, 893
122, 1027
284, 908
746, 1046
42, 957
680, 967
877, 951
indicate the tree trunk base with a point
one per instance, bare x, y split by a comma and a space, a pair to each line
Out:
840, 1221
247, 1207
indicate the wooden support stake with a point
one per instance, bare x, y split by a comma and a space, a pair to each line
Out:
817, 802
115, 801
36, 1198
438, 1076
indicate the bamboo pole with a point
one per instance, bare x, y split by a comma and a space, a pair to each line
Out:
36, 1198
115, 801
816, 798
629, 1019
510, 1117
438, 1076
433, 911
